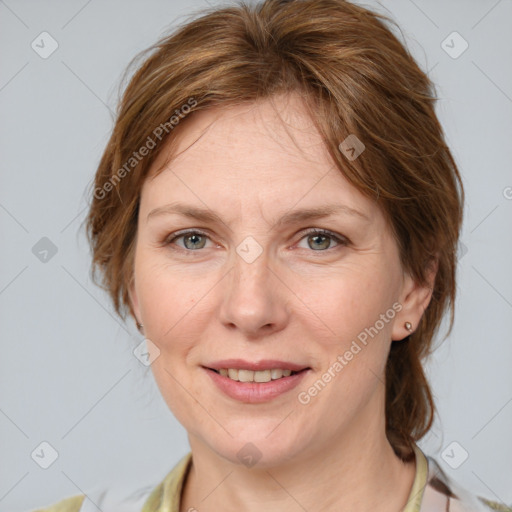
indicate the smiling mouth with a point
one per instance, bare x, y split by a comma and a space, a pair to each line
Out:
257, 376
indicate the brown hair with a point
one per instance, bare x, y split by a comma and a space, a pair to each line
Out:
356, 78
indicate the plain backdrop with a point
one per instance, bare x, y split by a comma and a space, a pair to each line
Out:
67, 373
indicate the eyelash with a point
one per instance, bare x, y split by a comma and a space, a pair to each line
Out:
342, 241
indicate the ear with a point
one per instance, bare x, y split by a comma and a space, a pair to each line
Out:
414, 299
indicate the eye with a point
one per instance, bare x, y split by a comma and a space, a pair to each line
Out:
192, 240
321, 239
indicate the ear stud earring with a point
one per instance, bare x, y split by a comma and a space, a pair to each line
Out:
139, 326
408, 326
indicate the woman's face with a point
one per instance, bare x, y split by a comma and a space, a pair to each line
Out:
259, 283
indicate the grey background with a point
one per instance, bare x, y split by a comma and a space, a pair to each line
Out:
68, 375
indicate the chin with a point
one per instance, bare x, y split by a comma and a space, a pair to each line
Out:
255, 448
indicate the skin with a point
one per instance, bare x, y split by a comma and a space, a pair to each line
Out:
304, 299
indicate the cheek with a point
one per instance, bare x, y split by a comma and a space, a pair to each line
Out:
167, 297
352, 303
354, 357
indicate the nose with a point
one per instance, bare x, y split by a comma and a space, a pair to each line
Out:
255, 300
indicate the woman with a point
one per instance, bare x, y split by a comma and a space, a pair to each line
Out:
278, 211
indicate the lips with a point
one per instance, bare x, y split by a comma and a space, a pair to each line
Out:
255, 381
252, 392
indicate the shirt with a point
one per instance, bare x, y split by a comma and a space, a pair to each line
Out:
432, 491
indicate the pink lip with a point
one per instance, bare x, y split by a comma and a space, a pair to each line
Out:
264, 364
255, 392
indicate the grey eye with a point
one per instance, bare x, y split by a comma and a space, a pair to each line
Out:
193, 240
319, 241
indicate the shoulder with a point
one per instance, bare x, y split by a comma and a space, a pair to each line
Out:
71, 504
107, 499
130, 497
494, 505
443, 493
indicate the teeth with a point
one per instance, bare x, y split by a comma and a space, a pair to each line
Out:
245, 375
262, 376
276, 373
254, 376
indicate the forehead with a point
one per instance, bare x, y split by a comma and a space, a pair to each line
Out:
255, 157
253, 132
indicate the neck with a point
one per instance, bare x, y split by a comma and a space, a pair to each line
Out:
357, 470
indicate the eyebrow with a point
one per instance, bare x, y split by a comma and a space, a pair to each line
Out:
292, 217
